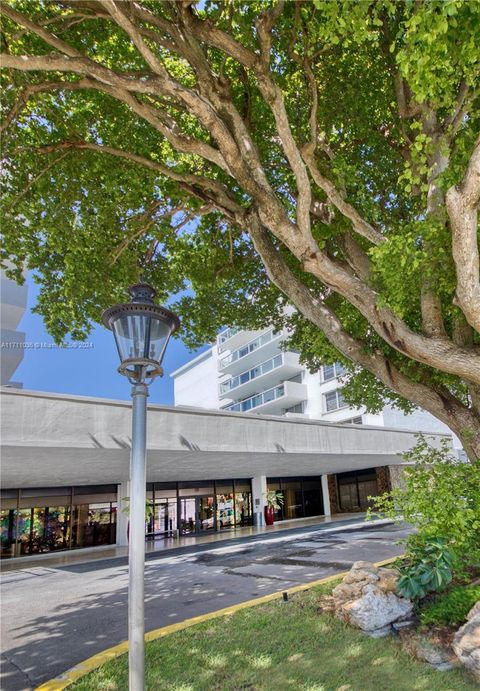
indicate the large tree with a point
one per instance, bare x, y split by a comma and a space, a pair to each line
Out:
245, 155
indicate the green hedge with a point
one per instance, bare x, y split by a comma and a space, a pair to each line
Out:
451, 608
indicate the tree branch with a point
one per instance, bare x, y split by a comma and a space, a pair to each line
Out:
216, 193
146, 219
55, 62
360, 226
441, 403
114, 9
35, 179
462, 205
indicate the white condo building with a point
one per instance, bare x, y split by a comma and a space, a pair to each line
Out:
13, 303
273, 426
247, 371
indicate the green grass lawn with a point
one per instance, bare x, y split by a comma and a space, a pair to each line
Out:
277, 646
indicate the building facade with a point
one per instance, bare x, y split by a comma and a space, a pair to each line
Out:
13, 302
247, 371
65, 470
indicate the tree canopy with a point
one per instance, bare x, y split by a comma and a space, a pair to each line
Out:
243, 156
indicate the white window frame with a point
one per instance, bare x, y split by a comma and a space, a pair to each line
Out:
337, 368
340, 403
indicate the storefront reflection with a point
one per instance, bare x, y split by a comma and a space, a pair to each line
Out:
30, 527
36, 521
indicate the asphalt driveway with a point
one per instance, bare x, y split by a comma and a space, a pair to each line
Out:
55, 617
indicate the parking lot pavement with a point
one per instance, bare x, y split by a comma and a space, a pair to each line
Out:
53, 618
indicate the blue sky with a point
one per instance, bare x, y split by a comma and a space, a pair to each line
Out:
88, 371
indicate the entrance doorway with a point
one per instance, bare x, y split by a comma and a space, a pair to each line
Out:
197, 514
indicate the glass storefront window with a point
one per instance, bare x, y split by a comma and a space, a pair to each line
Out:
197, 514
355, 488
80, 521
41, 529
94, 524
367, 488
190, 488
188, 522
164, 519
302, 497
50, 519
225, 511
292, 499
313, 498
7, 532
243, 508
276, 485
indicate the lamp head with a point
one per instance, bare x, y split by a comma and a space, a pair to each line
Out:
142, 330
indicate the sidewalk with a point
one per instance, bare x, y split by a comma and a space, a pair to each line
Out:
185, 544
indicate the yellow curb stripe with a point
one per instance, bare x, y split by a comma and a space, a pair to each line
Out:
90, 664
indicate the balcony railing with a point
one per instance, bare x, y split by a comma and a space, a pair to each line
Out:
253, 373
248, 348
257, 400
228, 333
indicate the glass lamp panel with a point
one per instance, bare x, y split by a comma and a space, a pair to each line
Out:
159, 334
141, 336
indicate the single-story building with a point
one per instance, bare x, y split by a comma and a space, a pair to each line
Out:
65, 469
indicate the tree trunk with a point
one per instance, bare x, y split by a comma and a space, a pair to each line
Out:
467, 429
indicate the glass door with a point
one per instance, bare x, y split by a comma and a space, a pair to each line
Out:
187, 515
165, 517
205, 514
197, 514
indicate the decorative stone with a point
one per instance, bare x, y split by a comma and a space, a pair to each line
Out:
366, 599
387, 580
403, 625
380, 633
466, 642
364, 565
327, 604
375, 610
360, 575
430, 653
442, 659
345, 592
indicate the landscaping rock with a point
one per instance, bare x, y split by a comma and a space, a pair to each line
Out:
365, 565
375, 609
387, 580
327, 604
437, 657
362, 571
466, 642
347, 591
423, 648
366, 599
403, 625
380, 633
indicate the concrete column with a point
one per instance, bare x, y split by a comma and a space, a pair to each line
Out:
326, 496
122, 517
259, 490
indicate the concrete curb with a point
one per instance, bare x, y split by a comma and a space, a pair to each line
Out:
90, 664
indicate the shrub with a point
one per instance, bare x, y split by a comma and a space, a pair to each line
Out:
428, 568
441, 498
452, 607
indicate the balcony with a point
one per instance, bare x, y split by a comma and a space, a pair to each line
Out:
232, 338
256, 350
263, 376
12, 353
274, 401
14, 302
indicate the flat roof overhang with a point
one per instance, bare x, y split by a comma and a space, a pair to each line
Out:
52, 440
